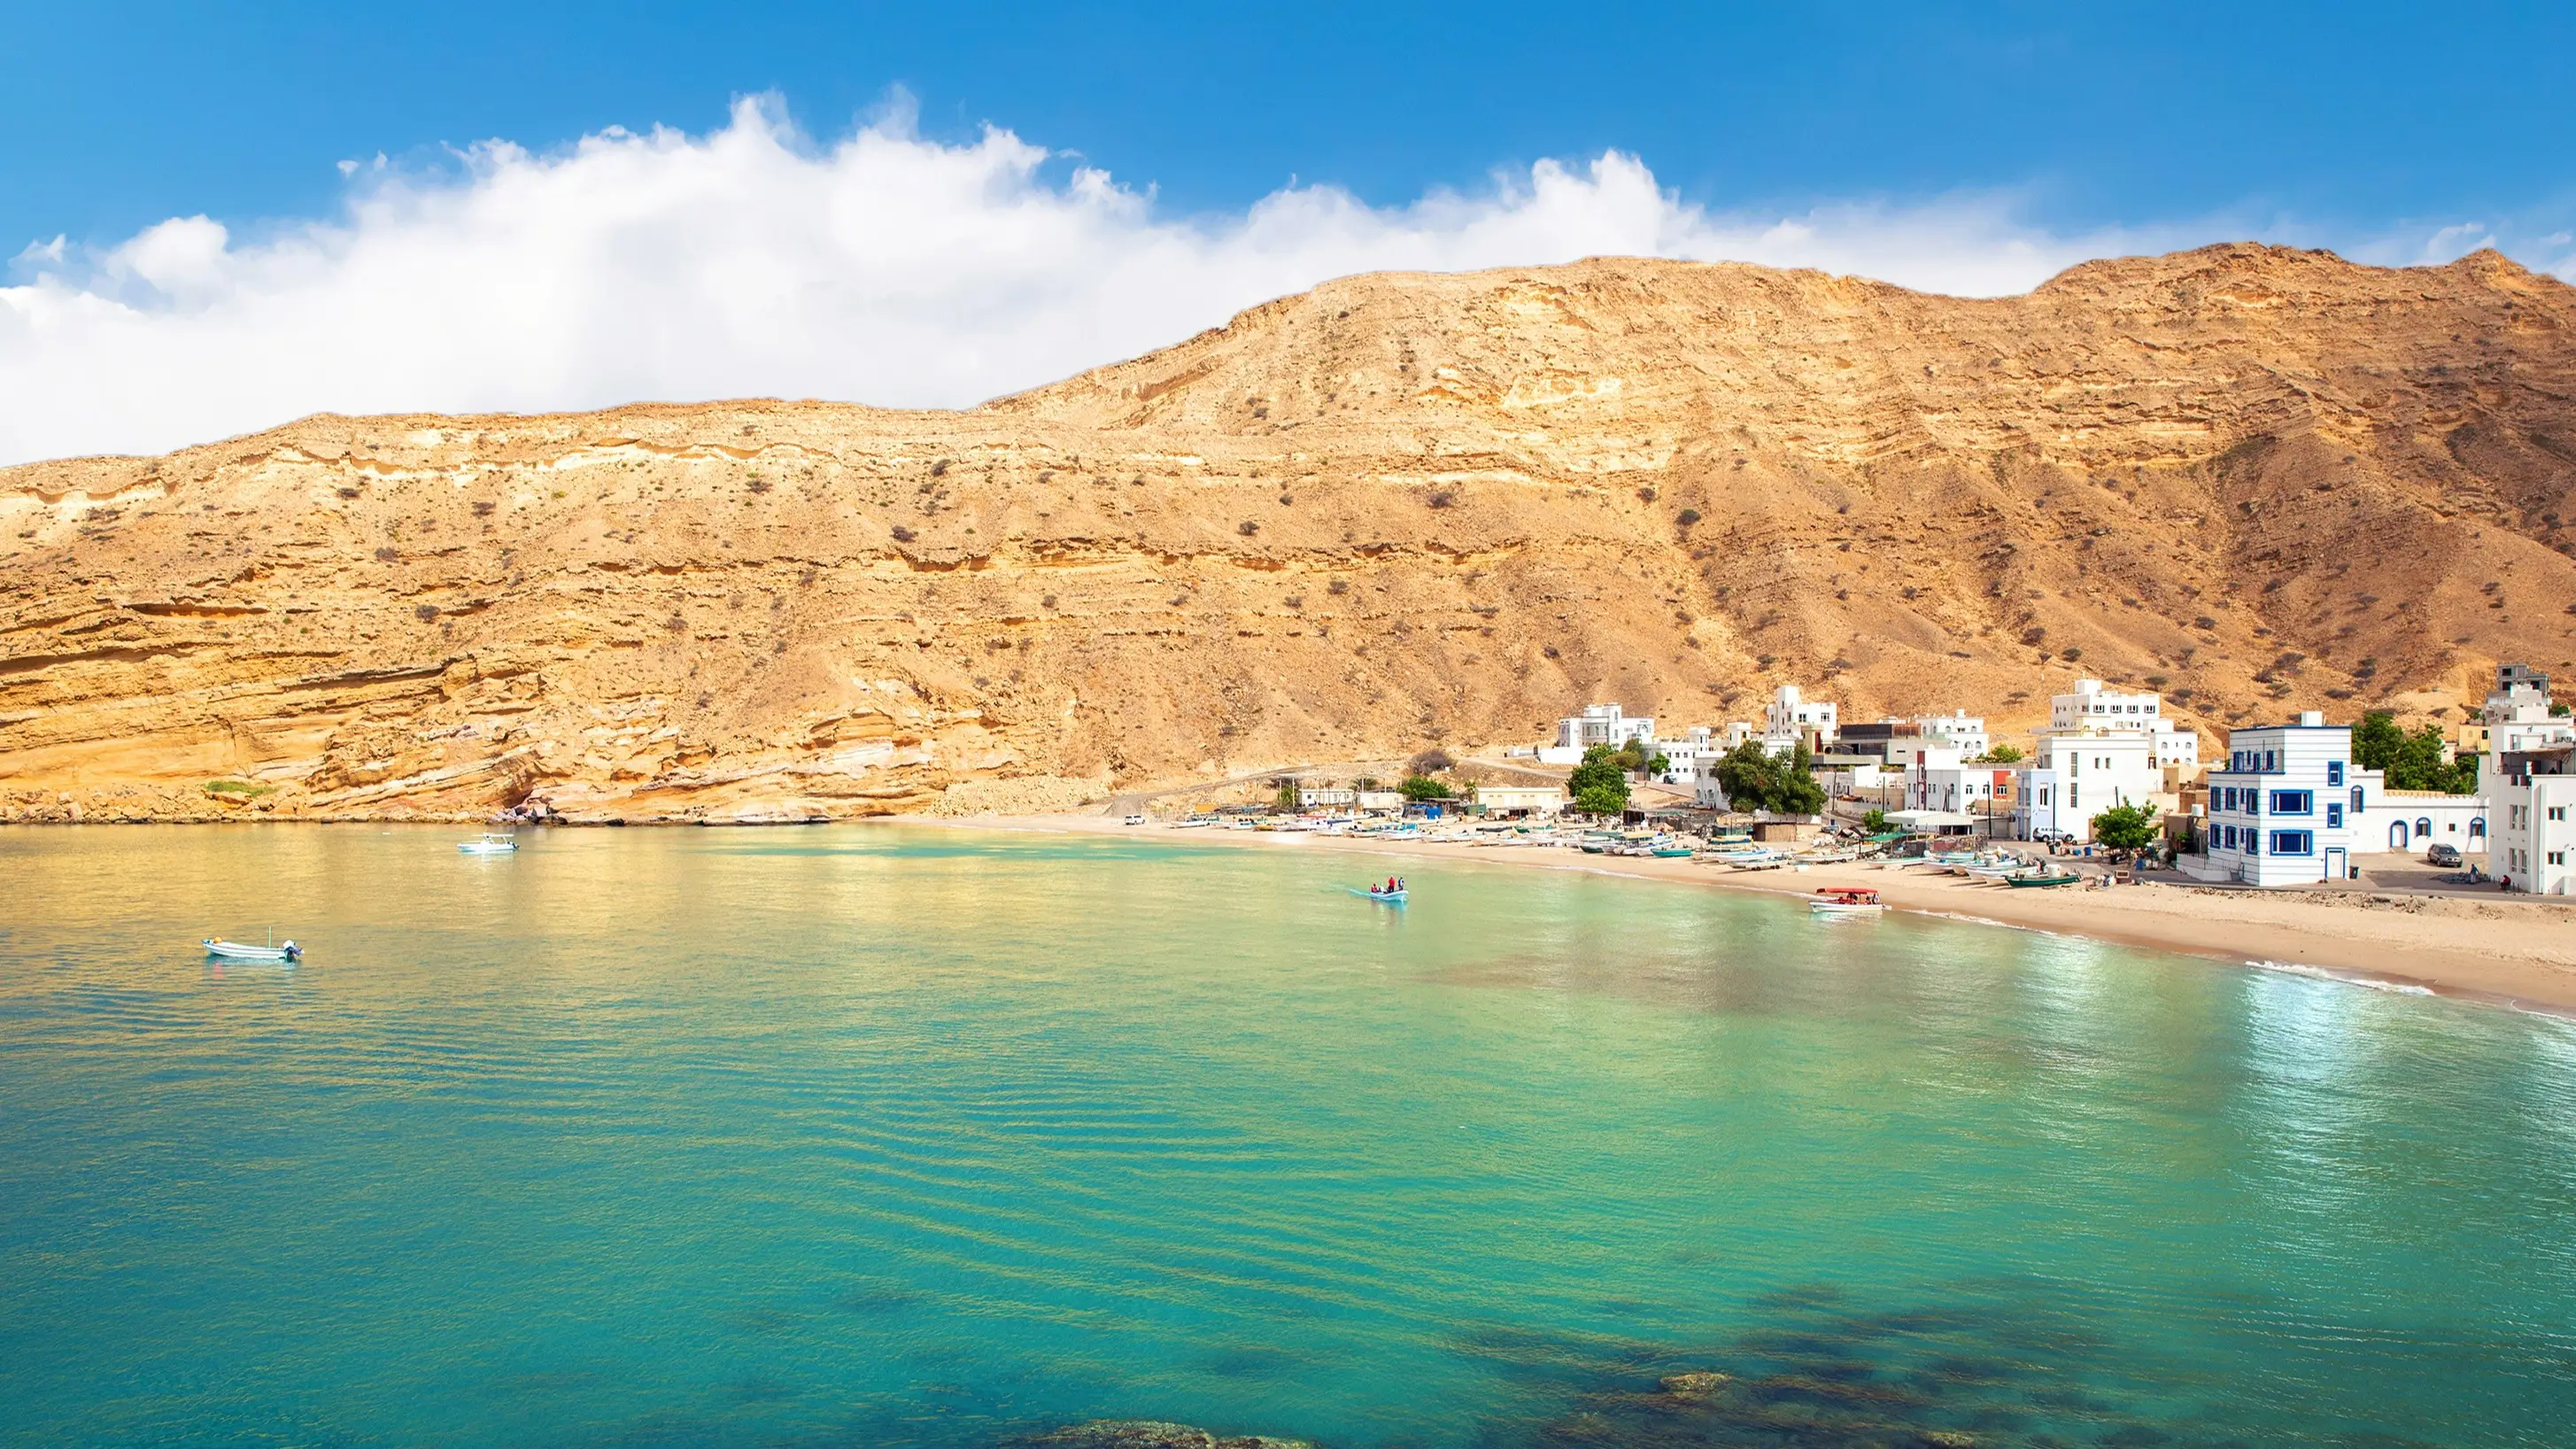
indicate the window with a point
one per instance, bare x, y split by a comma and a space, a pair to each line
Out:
2478, 828
2423, 827
2271, 760
2558, 857
2250, 839
2227, 835
2334, 817
2356, 799
2334, 772
2070, 796
2293, 842
2557, 812
2227, 798
2292, 802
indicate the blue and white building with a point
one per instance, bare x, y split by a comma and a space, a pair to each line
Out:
2281, 810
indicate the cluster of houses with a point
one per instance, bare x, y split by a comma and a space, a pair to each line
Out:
2288, 804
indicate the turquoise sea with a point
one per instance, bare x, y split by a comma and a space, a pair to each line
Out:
895, 1136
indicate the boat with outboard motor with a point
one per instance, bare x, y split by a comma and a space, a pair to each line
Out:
491, 842
1846, 901
289, 953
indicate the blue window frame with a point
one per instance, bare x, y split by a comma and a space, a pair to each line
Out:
2231, 836
2293, 842
2334, 772
2334, 817
2293, 802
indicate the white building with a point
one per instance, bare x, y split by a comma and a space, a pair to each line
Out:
1896, 741
2414, 820
2534, 796
2093, 709
1984, 791
1599, 724
1792, 717
1682, 756
2516, 718
2073, 777
2280, 810
1521, 799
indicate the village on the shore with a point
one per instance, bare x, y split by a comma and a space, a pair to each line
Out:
2302, 802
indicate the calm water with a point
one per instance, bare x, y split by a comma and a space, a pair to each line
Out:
878, 1136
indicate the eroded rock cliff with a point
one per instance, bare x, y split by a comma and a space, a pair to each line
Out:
1395, 510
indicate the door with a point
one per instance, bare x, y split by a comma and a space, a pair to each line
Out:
2397, 835
2335, 867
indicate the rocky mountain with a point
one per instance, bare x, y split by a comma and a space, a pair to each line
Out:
1393, 511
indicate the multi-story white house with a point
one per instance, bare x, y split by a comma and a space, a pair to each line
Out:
2093, 709
2070, 778
1792, 717
2533, 797
1895, 740
1682, 757
2516, 716
2280, 809
1599, 724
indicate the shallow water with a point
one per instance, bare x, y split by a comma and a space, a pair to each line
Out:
893, 1136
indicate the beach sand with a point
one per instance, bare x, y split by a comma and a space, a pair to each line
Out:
2517, 951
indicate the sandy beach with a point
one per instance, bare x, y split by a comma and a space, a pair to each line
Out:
2521, 952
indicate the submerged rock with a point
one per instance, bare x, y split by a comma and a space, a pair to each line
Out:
1696, 1385
1153, 1434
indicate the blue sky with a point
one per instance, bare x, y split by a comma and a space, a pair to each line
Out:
569, 206
2361, 116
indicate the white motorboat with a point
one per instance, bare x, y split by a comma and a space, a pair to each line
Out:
236, 951
490, 843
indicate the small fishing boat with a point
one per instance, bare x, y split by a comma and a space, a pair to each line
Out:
1673, 852
1381, 895
489, 843
1845, 901
236, 951
2018, 881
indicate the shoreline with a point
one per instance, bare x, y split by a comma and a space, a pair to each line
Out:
2524, 956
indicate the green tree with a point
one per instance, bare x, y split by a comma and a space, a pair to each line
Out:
1658, 765
1875, 822
2411, 761
1746, 774
1599, 785
1423, 787
1756, 779
2000, 755
1798, 791
2126, 827
1631, 756
1286, 798
2376, 740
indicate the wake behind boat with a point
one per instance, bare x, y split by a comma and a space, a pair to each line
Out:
489, 843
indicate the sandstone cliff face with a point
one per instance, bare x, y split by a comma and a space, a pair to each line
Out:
1392, 511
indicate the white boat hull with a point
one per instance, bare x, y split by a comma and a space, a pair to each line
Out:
236, 951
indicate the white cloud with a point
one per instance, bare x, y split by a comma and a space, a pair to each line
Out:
883, 269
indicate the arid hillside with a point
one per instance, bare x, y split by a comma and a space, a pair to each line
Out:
1392, 511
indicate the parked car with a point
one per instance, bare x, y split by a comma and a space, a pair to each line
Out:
2442, 855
